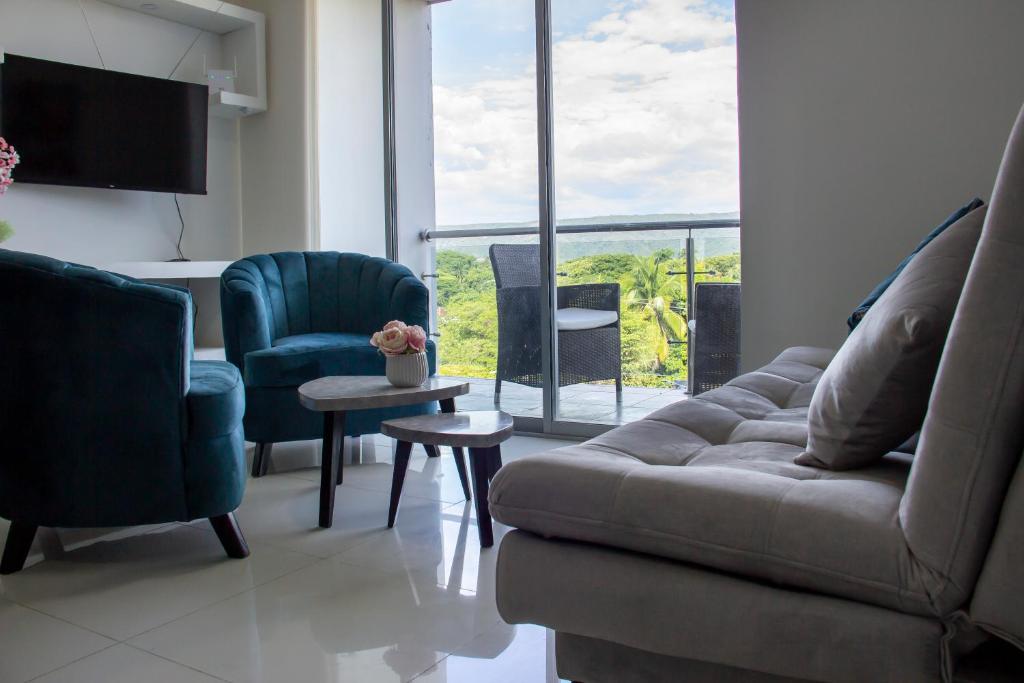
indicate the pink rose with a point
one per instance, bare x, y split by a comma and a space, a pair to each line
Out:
416, 337
392, 341
395, 324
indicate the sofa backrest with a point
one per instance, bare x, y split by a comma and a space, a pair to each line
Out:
328, 291
973, 434
93, 375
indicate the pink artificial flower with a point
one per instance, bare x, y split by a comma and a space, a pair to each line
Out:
395, 324
392, 341
417, 338
8, 160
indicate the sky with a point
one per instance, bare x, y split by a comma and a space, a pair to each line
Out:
644, 102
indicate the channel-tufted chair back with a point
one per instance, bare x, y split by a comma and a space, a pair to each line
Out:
307, 292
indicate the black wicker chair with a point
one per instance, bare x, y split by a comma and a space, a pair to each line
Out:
587, 354
715, 335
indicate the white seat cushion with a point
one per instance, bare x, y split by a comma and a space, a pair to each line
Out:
584, 318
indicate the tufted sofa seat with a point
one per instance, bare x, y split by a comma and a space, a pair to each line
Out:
712, 480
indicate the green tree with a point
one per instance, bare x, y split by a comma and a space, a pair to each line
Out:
652, 290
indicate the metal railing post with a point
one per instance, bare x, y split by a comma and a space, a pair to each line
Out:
689, 311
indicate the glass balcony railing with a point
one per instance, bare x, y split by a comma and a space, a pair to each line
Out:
660, 268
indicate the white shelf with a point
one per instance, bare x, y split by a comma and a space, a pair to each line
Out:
243, 35
232, 105
168, 270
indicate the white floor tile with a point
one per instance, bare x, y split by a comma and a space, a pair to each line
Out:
32, 644
520, 446
283, 510
505, 654
328, 622
125, 664
383, 605
123, 587
427, 478
448, 546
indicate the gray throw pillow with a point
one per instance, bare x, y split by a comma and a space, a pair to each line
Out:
874, 393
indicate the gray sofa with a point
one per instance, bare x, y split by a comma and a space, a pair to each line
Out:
688, 546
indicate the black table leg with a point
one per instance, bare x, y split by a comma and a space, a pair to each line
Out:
480, 461
398, 478
330, 466
448, 406
432, 451
495, 462
460, 465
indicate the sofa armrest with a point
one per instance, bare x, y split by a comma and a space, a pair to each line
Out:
244, 316
410, 303
215, 401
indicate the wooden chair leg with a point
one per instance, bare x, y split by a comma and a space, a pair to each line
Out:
432, 451
460, 465
398, 479
19, 541
261, 459
230, 535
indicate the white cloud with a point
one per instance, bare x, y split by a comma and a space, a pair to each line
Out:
645, 122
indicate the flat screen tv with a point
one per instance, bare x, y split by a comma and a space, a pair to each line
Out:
75, 125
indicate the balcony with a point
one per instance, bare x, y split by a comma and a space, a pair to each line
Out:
658, 267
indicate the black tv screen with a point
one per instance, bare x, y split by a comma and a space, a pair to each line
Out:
75, 125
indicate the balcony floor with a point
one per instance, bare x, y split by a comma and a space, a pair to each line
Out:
593, 403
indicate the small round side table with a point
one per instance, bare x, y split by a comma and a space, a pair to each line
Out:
335, 396
482, 432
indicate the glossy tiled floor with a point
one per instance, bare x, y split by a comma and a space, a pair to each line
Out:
353, 603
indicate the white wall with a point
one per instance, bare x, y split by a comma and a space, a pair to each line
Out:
351, 131
98, 226
278, 183
350, 127
862, 125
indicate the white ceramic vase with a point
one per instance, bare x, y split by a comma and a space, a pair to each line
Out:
407, 370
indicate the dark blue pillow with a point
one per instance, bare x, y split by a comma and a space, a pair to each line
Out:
862, 309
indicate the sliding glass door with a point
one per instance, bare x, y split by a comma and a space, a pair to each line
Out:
645, 159
586, 151
486, 248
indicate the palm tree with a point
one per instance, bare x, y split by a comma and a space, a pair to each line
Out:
651, 289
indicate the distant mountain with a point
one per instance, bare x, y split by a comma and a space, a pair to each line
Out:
602, 220
709, 242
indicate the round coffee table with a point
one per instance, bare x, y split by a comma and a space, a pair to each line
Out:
335, 396
482, 432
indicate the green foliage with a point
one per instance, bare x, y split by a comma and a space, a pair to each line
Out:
726, 267
460, 275
5, 230
652, 314
652, 290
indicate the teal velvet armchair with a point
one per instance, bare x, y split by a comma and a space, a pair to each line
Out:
107, 420
292, 317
